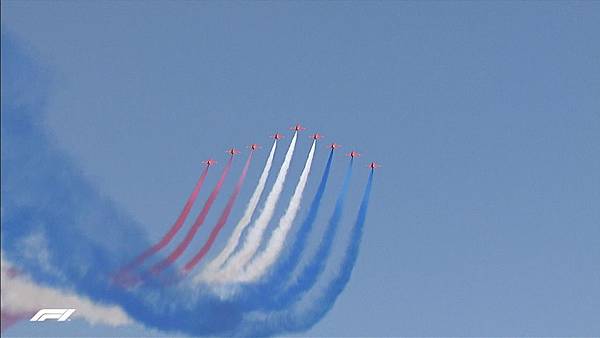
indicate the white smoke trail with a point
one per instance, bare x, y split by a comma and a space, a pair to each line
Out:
21, 295
256, 232
214, 265
259, 265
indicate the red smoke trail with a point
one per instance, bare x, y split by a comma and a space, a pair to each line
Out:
222, 220
174, 228
8, 319
158, 267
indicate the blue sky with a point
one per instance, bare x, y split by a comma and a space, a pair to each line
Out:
484, 219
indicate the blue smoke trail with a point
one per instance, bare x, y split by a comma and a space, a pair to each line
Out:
256, 295
338, 284
308, 277
301, 319
62, 232
290, 261
49, 211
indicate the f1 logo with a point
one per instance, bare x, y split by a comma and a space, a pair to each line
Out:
59, 314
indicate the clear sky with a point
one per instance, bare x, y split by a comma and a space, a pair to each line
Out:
484, 220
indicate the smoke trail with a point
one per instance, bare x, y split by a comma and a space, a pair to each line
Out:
258, 295
60, 230
222, 220
287, 264
21, 298
301, 319
255, 234
9, 318
268, 256
174, 229
308, 277
158, 267
234, 239
55, 224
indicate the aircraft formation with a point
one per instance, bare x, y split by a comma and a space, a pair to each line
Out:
297, 128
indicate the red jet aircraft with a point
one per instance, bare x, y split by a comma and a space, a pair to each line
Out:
209, 162
297, 127
233, 151
353, 154
316, 136
334, 146
254, 146
374, 165
277, 136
